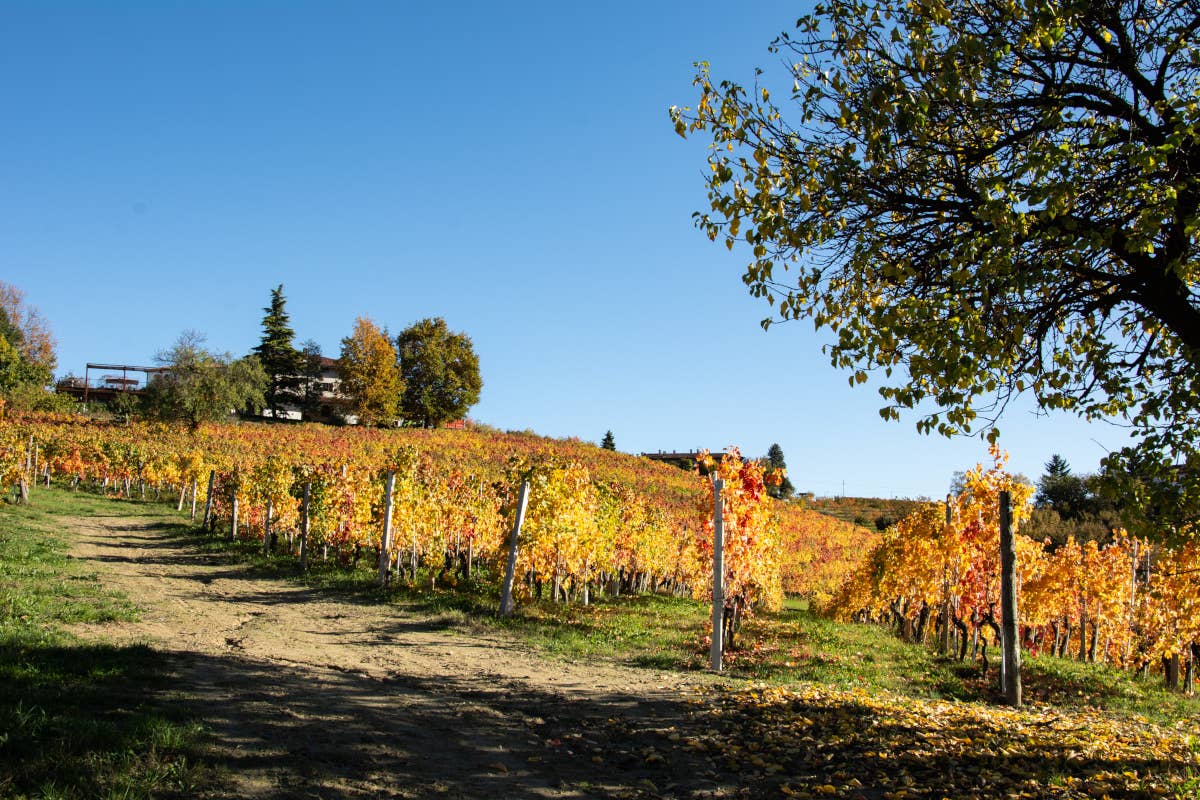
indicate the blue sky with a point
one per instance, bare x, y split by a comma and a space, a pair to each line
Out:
509, 167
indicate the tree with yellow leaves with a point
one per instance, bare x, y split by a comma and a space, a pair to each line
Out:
371, 377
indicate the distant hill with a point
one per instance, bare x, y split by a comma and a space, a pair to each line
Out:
876, 513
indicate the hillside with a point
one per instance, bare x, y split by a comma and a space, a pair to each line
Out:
875, 513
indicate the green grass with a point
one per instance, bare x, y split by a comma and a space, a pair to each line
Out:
77, 719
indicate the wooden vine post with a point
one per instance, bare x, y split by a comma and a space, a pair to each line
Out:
510, 571
194, 488
1010, 665
385, 540
717, 647
944, 642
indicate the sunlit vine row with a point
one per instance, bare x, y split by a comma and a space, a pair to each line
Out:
934, 574
596, 522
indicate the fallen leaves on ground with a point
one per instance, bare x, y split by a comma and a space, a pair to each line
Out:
815, 743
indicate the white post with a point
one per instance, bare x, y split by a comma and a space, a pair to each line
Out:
267, 527
208, 499
385, 541
718, 588
510, 571
304, 526
233, 506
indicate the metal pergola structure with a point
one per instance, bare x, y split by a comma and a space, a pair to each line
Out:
125, 370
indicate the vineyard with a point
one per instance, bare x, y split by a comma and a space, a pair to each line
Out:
602, 523
1129, 603
597, 522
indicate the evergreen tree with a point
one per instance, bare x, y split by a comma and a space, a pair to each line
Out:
280, 359
608, 443
776, 462
1057, 467
1060, 490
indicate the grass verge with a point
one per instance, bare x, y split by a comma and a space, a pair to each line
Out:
78, 719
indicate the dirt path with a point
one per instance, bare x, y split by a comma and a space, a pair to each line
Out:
314, 697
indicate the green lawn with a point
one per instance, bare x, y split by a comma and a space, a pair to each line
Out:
77, 719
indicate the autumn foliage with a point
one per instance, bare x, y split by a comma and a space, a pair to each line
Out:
1124, 603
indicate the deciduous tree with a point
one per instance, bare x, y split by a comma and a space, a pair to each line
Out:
440, 370
981, 199
27, 357
370, 375
200, 386
26, 329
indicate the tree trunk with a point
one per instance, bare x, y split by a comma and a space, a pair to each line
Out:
922, 621
962, 631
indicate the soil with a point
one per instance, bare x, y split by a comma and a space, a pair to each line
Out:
306, 694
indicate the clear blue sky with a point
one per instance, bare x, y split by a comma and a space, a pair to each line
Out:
509, 167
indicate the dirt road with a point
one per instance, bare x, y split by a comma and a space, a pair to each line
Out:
312, 697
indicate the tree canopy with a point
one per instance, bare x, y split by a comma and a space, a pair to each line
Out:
27, 356
201, 386
371, 378
609, 442
440, 370
982, 199
283, 363
26, 329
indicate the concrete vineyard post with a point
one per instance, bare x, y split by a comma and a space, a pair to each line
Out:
510, 570
385, 539
717, 648
304, 527
233, 510
212, 477
194, 488
267, 527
